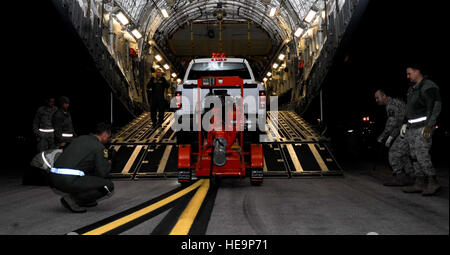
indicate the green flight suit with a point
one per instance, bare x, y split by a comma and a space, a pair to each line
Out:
87, 154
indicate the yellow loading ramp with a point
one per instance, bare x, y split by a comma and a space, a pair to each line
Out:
291, 148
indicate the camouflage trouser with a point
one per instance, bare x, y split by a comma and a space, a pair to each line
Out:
399, 156
420, 152
45, 141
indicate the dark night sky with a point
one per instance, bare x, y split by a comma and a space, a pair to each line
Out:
47, 58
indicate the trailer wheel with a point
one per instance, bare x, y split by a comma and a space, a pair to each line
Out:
185, 177
256, 176
214, 180
185, 184
256, 182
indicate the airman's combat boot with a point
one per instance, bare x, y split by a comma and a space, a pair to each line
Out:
418, 186
397, 180
432, 187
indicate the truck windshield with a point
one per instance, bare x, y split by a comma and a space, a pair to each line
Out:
219, 68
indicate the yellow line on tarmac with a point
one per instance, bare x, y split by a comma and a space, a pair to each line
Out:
190, 212
119, 222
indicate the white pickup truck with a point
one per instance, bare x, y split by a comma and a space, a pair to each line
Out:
254, 92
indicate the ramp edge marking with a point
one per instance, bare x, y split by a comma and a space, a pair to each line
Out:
133, 157
295, 161
318, 158
164, 159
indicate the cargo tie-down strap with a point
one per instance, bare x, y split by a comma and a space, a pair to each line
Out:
67, 171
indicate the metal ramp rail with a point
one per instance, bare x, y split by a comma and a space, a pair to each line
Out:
294, 149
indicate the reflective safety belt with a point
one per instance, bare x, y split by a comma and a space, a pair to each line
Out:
45, 160
412, 121
67, 135
67, 171
43, 130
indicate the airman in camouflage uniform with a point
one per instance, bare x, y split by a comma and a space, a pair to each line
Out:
399, 151
422, 110
43, 127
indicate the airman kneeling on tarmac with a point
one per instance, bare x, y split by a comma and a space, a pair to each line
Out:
81, 171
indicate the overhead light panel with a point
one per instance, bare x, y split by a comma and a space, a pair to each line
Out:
158, 57
164, 13
281, 57
264, 79
275, 65
166, 66
310, 16
298, 32
136, 33
272, 12
269, 74
122, 18
174, 75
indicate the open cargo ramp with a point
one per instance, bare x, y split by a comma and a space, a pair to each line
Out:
293, 149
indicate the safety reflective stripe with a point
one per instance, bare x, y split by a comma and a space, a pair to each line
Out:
46, 130
66, 171
45, 160
417, 120
67, 135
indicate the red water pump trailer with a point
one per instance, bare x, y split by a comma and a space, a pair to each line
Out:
221, 150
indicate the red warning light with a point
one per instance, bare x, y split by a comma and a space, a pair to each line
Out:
133, 52
262, 99
218, 56
178, 99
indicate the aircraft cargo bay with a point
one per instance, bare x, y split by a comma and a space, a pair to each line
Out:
225, 117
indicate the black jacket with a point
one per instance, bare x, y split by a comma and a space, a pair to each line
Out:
158, 86
424, 100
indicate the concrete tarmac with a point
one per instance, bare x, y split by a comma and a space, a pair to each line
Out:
355, 204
